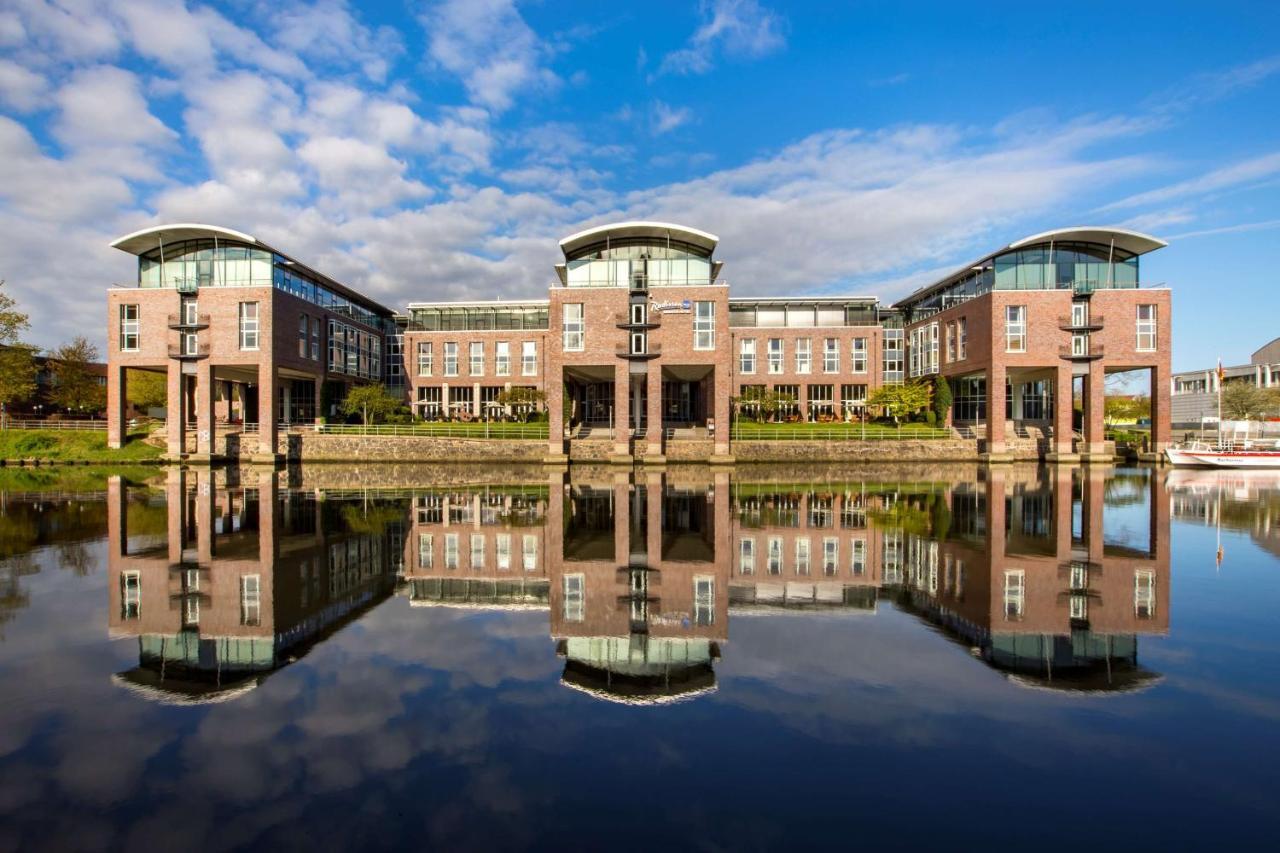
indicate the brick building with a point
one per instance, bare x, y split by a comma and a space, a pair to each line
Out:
639, 342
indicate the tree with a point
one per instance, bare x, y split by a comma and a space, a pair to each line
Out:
1125, 409
941, 398
147, 389
17, 360
370, 402
521, 400
75, 386
902, 401
1244, 401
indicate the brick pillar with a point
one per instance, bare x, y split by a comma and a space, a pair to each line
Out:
555, 410
175, 493
653, 415
995, 409
318, 413
622, 518
117, 406
268, 507
206, 493
206, 423
268, 409
720, 392
1062, 509
1160, 420
996, 519
1062, 409
175, 404
1095, 392
117, 516
1093, 501
622, 408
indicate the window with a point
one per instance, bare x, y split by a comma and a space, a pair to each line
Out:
476, 368
129, 328
747, 556
426, 358
638, 343
1146, 328
951, 342
804, 356
315, 338
451, 550
574, 326
638, 314
573, 598
704, 600
775, 556
858, 556
831, 355
962, 339
1015, 328
130, 595
451, 358
1079, 607
502, 550
250, 600
1079, 314
502, 359
530, 555
477, 550
747, 356
426, 550
704, 325
802, 556
858, 355
892, 356
830, 555
190, 312
1144, 593
529, 358
1015, 583
775, 355
248, 325
304, 336
1080, 344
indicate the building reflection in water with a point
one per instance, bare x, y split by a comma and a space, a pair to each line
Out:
640, 572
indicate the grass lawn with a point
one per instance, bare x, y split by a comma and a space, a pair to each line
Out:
51, 445
872, 432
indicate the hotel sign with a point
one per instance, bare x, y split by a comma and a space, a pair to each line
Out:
684, 306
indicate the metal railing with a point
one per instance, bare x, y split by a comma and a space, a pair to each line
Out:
834, 432
483, 430
83, 426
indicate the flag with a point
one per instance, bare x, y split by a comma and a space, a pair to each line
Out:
1221, 373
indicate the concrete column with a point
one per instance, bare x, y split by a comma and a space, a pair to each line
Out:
653, 431
555, 411
444, 401
117, 406
995, 409
622, 408
720, 392
268, 410
475, 399
1015, 391
1095, 392
1062, 409
175, 404
1160, 403
206, 423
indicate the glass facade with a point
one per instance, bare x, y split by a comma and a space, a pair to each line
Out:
447, 318
749, 314
638, 263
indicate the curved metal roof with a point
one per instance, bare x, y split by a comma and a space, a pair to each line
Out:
639, 228
149, 238
1130, 241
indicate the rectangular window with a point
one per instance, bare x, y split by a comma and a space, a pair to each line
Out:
129, 336
476, 368
892, 356
574, 599
315, 338
130, 595
529, 358
802, 556
830, 555
747, 556
804, 356
304, 336
451, 550
704, 325
774, 566
747, 356
250, 600
248, 325
426, 550
1144, 594
1146, 328
1080, 344
858, 556
775, 355
502, 551
1015, 586
831, 355
190, 312
1079, 314
530, 554
962, 339
477, 551
451, 358
1015, 328
858, 354
502, 359
951, 342
426, 358
704, 600
575, 326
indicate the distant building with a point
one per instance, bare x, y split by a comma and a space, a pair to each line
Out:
1194, 394
40, 403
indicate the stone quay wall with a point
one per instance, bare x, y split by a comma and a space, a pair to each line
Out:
321, 447
942, 450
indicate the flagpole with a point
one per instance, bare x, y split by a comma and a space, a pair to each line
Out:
1220, 404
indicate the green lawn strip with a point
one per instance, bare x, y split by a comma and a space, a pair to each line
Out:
49, 445
495, 429
73, 479
872, 432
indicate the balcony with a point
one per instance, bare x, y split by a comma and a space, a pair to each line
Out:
624, 351
622, 320
1092, 353
1092, 324
183, 354
178, 322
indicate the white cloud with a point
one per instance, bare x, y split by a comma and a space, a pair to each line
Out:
488, 45
665, 118
328, 31
21, 88
736, 28
1227, 177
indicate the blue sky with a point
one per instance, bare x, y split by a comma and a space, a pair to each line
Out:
437, 150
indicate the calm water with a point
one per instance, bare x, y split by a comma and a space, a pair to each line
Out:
521, 659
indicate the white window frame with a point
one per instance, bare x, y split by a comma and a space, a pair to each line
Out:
502, 358
747, 556
747, 356
575, 326
451, 550
775, 564
529, 358
426, 551
704, 325
529, 553
130, 595
575, 599
1144, 593
1015, 328
1146, 328
777, 356
1015, 594
475, 358
803, 555
304, 335
804, 356
962, 339
830, 555
250, 326
704, 600
451, 358
831, 355
477, 551
502, 551
315, 339
858, 355
426, 358
130, 327
857, 555
251, 599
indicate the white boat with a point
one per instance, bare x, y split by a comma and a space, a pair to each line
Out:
1249, 455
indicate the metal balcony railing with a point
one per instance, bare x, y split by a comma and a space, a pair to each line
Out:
177, 321
1092, 353
625, 351
1092, 324
622, 320
183, 353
